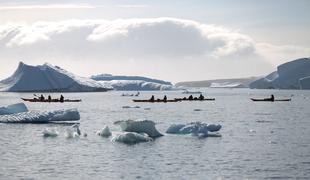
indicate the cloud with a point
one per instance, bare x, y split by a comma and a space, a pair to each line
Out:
145, 46
47, 6
133, 37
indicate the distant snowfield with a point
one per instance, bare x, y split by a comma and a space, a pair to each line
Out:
49, 78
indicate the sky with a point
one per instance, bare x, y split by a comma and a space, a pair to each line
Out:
174, 40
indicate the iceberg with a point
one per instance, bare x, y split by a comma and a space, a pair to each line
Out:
73, 131
130, 138
41, 117
140, 126
110, 77
50, 132
105, 132
194, 128
48, 78
14, 108
136, 85
290, 75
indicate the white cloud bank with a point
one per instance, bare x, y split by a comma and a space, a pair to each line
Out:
152, 47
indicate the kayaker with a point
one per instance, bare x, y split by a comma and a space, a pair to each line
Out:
190, 97
152, 98
49, 98
61, 98
272, 97
201, 97
42, 97
165, 98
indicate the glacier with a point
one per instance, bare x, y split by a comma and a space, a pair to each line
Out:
136, 85
48, 78
14, 108
41, 116
290, 75
110, 77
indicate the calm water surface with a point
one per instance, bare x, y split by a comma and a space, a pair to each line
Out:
260, 140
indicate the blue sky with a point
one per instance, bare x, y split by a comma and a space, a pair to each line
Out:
278, 31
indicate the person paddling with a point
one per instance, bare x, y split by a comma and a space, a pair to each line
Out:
201, 97
61, 98
190, 97
42, 98
165, 98
152, 98
49, 98
272, 97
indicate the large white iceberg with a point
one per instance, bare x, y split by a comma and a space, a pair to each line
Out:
41, 117
14, 108
290, 75
140, 126
130, 138
195, 128
48, 78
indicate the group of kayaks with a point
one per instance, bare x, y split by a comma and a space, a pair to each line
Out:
51, 100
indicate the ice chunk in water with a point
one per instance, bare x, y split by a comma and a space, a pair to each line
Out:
195, 128
141, 126
41, 117
50, 132
131, 138
105, 132
14, 108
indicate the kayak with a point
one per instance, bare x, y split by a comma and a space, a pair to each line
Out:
269, 100
158, 100
53, 100
207, 99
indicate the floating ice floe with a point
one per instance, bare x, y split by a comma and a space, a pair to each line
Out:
73, 131
140, 126
127, 107
41, 117
195, 128
50, 132
104, 132
14, 108
131, 138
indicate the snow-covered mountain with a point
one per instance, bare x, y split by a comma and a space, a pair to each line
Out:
132, 83
49, 78
290, 75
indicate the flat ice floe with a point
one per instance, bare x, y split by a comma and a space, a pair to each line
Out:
41, 117
195, 128
14, 108
140, 126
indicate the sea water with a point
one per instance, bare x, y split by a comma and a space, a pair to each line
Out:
260, 140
